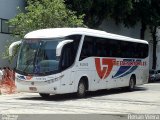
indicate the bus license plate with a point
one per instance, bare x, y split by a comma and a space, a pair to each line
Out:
32, 88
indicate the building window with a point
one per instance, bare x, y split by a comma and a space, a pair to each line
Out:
4, 27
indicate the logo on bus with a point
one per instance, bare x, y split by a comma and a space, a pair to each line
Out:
21, 77
104, 66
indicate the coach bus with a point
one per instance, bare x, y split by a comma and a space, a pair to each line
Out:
77, 60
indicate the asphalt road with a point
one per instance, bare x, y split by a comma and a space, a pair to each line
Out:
144, 100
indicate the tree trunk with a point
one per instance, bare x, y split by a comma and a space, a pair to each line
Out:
154, 47
143, 29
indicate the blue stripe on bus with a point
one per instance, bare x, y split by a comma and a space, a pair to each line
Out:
125, 70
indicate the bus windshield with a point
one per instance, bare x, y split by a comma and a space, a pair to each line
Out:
38, 56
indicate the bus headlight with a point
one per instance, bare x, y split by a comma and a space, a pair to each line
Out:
54, 79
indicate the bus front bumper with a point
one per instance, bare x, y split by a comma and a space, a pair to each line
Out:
38, 87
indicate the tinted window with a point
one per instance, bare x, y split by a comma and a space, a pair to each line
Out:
69, 52
87, 48
104, 47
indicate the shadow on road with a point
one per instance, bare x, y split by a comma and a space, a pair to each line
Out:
157, 81
65, 97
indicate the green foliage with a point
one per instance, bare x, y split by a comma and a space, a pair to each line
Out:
45, 14
40, 14
5, 55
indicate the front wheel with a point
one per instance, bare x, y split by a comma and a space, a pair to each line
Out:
81, 91
44, 95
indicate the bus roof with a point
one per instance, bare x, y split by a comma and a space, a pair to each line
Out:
62, 32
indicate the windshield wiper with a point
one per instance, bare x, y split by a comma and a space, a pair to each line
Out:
24, 70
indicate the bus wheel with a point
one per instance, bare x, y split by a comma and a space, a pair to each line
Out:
131, 84
44, 95
81, 91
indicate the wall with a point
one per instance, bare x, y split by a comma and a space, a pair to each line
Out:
8, 10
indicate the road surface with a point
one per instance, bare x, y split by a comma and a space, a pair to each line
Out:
144, 100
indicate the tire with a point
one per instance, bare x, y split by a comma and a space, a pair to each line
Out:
44, 95
81, 91
131, 86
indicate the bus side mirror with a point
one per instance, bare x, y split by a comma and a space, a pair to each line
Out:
12, 46
60, 46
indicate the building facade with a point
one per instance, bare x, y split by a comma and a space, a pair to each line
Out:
8, 10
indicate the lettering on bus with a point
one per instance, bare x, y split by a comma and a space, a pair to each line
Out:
126, 66
83, 64
129, 63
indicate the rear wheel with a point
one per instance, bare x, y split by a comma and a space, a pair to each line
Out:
132, 83
81, 91
44, 95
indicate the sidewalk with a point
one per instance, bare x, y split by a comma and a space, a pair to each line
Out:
7, 89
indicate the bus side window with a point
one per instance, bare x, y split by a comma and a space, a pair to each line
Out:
87, 48
69, 52
68, 56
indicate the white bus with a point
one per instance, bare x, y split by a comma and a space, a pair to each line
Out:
76, 60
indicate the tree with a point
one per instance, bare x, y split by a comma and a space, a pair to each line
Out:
121, 11
154, 24
45, 14
147, 12
95, 10
134, 11
128, 12
40, 14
